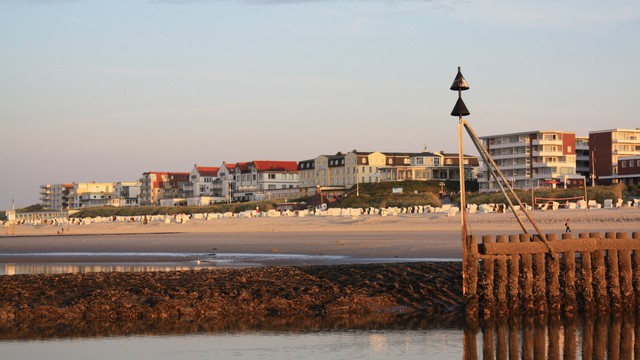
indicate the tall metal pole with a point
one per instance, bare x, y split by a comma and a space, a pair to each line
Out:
463, 200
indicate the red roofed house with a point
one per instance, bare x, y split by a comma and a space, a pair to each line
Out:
204, 186
266, 180
158, 186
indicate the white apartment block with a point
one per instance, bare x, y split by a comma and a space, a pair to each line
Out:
55, 196
530, 159
84, 195
127, 193
266, 180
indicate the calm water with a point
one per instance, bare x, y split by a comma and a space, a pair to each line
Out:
427, 344
601, 337
84, 262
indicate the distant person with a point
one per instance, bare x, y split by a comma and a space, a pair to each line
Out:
567, 225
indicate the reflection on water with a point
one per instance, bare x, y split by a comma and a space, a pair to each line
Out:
79, 268
600, 337
592, 337
390, 344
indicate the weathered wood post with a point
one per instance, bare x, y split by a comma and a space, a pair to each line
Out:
470, 276
487, 340
539, 338
626, 275
514, 272
539, 281
569, 275
614, 275
527, 278
587, 275
636, 269
600, 338
502, 279
553, 264
488, 305
599, 278
527, 338
470, 342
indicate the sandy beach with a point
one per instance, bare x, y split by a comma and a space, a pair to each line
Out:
431, 235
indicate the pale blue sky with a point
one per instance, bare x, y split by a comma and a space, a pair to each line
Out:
106, 90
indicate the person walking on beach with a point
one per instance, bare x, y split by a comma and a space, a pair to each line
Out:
567, 226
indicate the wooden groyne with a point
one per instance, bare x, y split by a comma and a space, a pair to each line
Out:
520, 274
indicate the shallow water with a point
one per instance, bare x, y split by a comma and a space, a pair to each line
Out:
392, 344
600, 337
85, 262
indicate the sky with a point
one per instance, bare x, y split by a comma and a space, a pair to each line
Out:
106, 90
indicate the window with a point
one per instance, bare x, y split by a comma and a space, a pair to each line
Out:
419, 161
272, 176
624, 164
390, 161
569, 149
364, 160
272, 187
638, 163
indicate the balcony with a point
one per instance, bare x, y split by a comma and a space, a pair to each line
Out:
546, 142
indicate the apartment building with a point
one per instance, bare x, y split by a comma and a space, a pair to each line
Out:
92, 194
606, 147
127, 193
431, 166
583, 164
629, 170
530, 159
55, 196
265, 180
160, 185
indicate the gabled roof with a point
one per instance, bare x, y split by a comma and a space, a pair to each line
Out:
207, 170
268, 165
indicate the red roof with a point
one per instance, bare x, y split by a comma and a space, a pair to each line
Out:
207, 170
267, 165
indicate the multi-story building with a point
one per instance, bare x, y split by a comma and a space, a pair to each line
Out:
606, 147
55, 196
84, 195
431, 166
127, 193
265, 180
157, 186
582, 157
628, 170
202, 182
530, 159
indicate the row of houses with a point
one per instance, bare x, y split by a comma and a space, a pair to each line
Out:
260, 180
528, 159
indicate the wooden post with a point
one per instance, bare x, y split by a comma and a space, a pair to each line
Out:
569, 260
514, 277
614, 275
626, 275
487, 282
599, 278
501, 283
539, 282
470, 277
527, 278
553, 264
636, 269
587, 279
